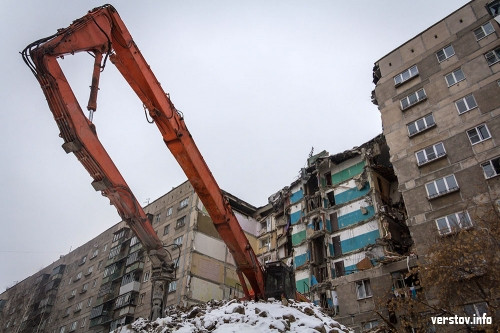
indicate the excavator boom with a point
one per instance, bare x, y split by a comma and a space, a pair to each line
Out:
103, 34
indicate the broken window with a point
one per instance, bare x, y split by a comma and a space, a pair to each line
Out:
334, 221
337, 248
491, 168
331, 198
317, 250
328, 179
339, 268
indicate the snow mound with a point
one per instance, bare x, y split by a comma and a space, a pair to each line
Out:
241, 317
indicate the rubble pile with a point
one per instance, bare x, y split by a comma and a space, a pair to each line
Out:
240, 316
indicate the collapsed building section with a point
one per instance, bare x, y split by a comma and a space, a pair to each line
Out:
344, 215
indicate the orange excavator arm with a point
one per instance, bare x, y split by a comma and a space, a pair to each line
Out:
103, 34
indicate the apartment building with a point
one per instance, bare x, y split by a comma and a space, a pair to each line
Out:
439, 99
105, 283
341, 224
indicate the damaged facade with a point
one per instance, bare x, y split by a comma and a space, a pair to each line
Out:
439, 99
105, 283
339, 224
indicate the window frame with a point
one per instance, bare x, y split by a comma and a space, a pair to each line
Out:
178, 240
446, 56
436, 154
483, 30
166, 229
366, 287
401, 76
453, 74
437, 182
495, 55
415, 122
479, 134
416, 99
180, 222
466, 101
459, 225
494, 164
184, 203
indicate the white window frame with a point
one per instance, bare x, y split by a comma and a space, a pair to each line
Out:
493, 56
169, 211
483, 31
445, 53
449, 187
184, 202
468, 102
146, 277
421, 121
166, 229
363, 289
412, 99
172, 286
429, 156
406, 75
180, 222
491, 168
178, 240
477, 132
84, 320
453, 77
453, 222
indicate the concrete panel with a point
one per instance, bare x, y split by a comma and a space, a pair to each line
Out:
460, 19
355, 217
412, 49
209, 246
359, 241
204, 291
435, 35
207, 268
348, 173
351, 194
296, 196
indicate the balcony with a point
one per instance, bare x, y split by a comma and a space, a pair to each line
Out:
131, 286
139, 265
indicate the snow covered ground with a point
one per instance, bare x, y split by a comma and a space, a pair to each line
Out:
241, 317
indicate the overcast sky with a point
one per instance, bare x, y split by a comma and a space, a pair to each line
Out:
259, 82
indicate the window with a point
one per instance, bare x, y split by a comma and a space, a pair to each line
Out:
421, 124
85, 287
178, 241
413, 98
146, 277
141, 298
83, 260
119, 235
158, 218
476, 309
73, 326
82, 325
454, 77
491, 168
493, 56
441, 186
484, 30
94, 254
363, 289
445, 53
478, 134
180, 222
79, 306
430, 153
265, 243
369, 325
169, 211
465, 104
172, 286
72, 294
62, 329
89, 303
114, 251
166, 229
134, 240
453, 222
78, 276
406, 75
183, 203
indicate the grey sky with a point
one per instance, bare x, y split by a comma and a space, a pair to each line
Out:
259, 83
